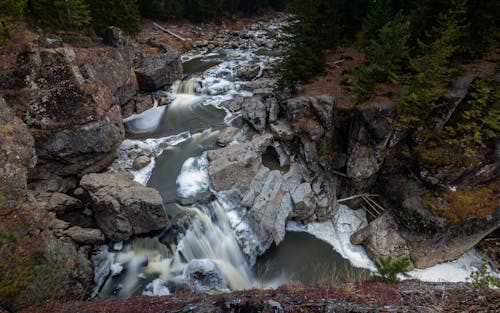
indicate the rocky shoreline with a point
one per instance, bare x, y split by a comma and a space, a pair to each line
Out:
62, 116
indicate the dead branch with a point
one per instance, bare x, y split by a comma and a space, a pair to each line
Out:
168, 32
356, 197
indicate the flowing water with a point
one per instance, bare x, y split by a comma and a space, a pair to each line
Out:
178, 136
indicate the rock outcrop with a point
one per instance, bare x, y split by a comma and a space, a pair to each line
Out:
70, 99
155, 71
122, 207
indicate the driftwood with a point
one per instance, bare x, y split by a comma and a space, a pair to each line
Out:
169, 32
356, 197
373, 208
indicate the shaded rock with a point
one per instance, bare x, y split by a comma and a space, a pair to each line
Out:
50, 41
114, 36
17, 156
122, 207
144, 102
381, 238
61, 203
249, 72
282, 130
255, 112
85, 235
324, 106
72, 97
141, 162
205, 275
227, 135
155, 71
304, 202
297, 108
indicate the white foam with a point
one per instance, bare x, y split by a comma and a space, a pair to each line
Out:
193, 178
129, 149
454, 271
144, 122
116, 268
157, 287
337, 233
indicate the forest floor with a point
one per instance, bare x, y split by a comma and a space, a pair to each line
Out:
407, 296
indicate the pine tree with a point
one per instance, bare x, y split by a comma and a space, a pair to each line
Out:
388, 269
121, 13
432, 67
379, 14
60, 14
10, 10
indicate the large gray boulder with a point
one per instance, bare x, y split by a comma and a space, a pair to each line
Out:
155, 71
205, 275
381, 238
272, 206
122, 207
255, 112
235, 166
85, 235
304, 201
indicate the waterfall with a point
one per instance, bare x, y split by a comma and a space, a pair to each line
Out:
189, 86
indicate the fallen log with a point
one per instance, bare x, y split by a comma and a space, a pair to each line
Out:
163, 29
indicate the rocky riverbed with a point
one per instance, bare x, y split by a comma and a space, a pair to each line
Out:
217, 168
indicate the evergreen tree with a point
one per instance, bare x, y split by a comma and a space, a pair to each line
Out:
388, 52
59, 14
433, 67
379, 14
121, 13
10, 10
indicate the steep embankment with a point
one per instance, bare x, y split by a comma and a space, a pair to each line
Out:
366, 297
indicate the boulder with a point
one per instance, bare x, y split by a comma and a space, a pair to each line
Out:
304, 202
236, 165
122, 207
227, 135
255, 112
114, 36
249, 72
157, 287
61, 203
155, 71
205, 275
85, 235
272, 206
141, 162
381, 238
72, 97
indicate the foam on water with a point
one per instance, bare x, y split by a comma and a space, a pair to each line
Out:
144, 122
130, 148
193, 178
337, 233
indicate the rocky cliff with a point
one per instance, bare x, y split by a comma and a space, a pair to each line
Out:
60, 119
326, 152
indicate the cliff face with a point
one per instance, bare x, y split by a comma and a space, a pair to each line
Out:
61, 118
70, 100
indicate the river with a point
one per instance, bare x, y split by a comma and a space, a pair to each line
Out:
178, 135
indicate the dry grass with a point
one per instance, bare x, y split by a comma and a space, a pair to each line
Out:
462, 204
